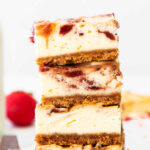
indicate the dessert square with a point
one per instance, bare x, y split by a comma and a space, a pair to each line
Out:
88, 83
81, 125
73, 41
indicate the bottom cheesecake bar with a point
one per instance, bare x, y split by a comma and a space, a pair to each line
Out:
78, 147
82, 125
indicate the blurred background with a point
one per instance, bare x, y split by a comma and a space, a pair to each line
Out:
20, 69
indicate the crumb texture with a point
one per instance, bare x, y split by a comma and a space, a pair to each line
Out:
87, 139
76, 58
69, 101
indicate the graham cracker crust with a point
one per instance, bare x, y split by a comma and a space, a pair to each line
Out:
84, 139
69, 101
79, 57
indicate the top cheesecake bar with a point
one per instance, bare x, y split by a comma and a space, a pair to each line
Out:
73, 41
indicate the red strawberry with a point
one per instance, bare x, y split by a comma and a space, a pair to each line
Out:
128, 119
20, 107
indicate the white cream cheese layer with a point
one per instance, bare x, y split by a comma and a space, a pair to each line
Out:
97, 33
83, 119
51, 88
105, 81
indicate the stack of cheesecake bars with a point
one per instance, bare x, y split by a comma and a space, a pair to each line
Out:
81, 84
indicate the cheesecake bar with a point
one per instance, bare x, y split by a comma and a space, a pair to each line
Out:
89, 83
72, 41
78, 147
81, 125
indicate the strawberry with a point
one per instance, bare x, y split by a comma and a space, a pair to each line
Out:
20, 107
128, 119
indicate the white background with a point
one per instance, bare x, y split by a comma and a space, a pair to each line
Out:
17, 17
21, 72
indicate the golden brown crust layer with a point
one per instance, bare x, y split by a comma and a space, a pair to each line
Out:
69, 101
80, 57
87, 139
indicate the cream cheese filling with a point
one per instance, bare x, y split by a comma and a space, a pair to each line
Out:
58, 85
82, 119
93, 37
69, 45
